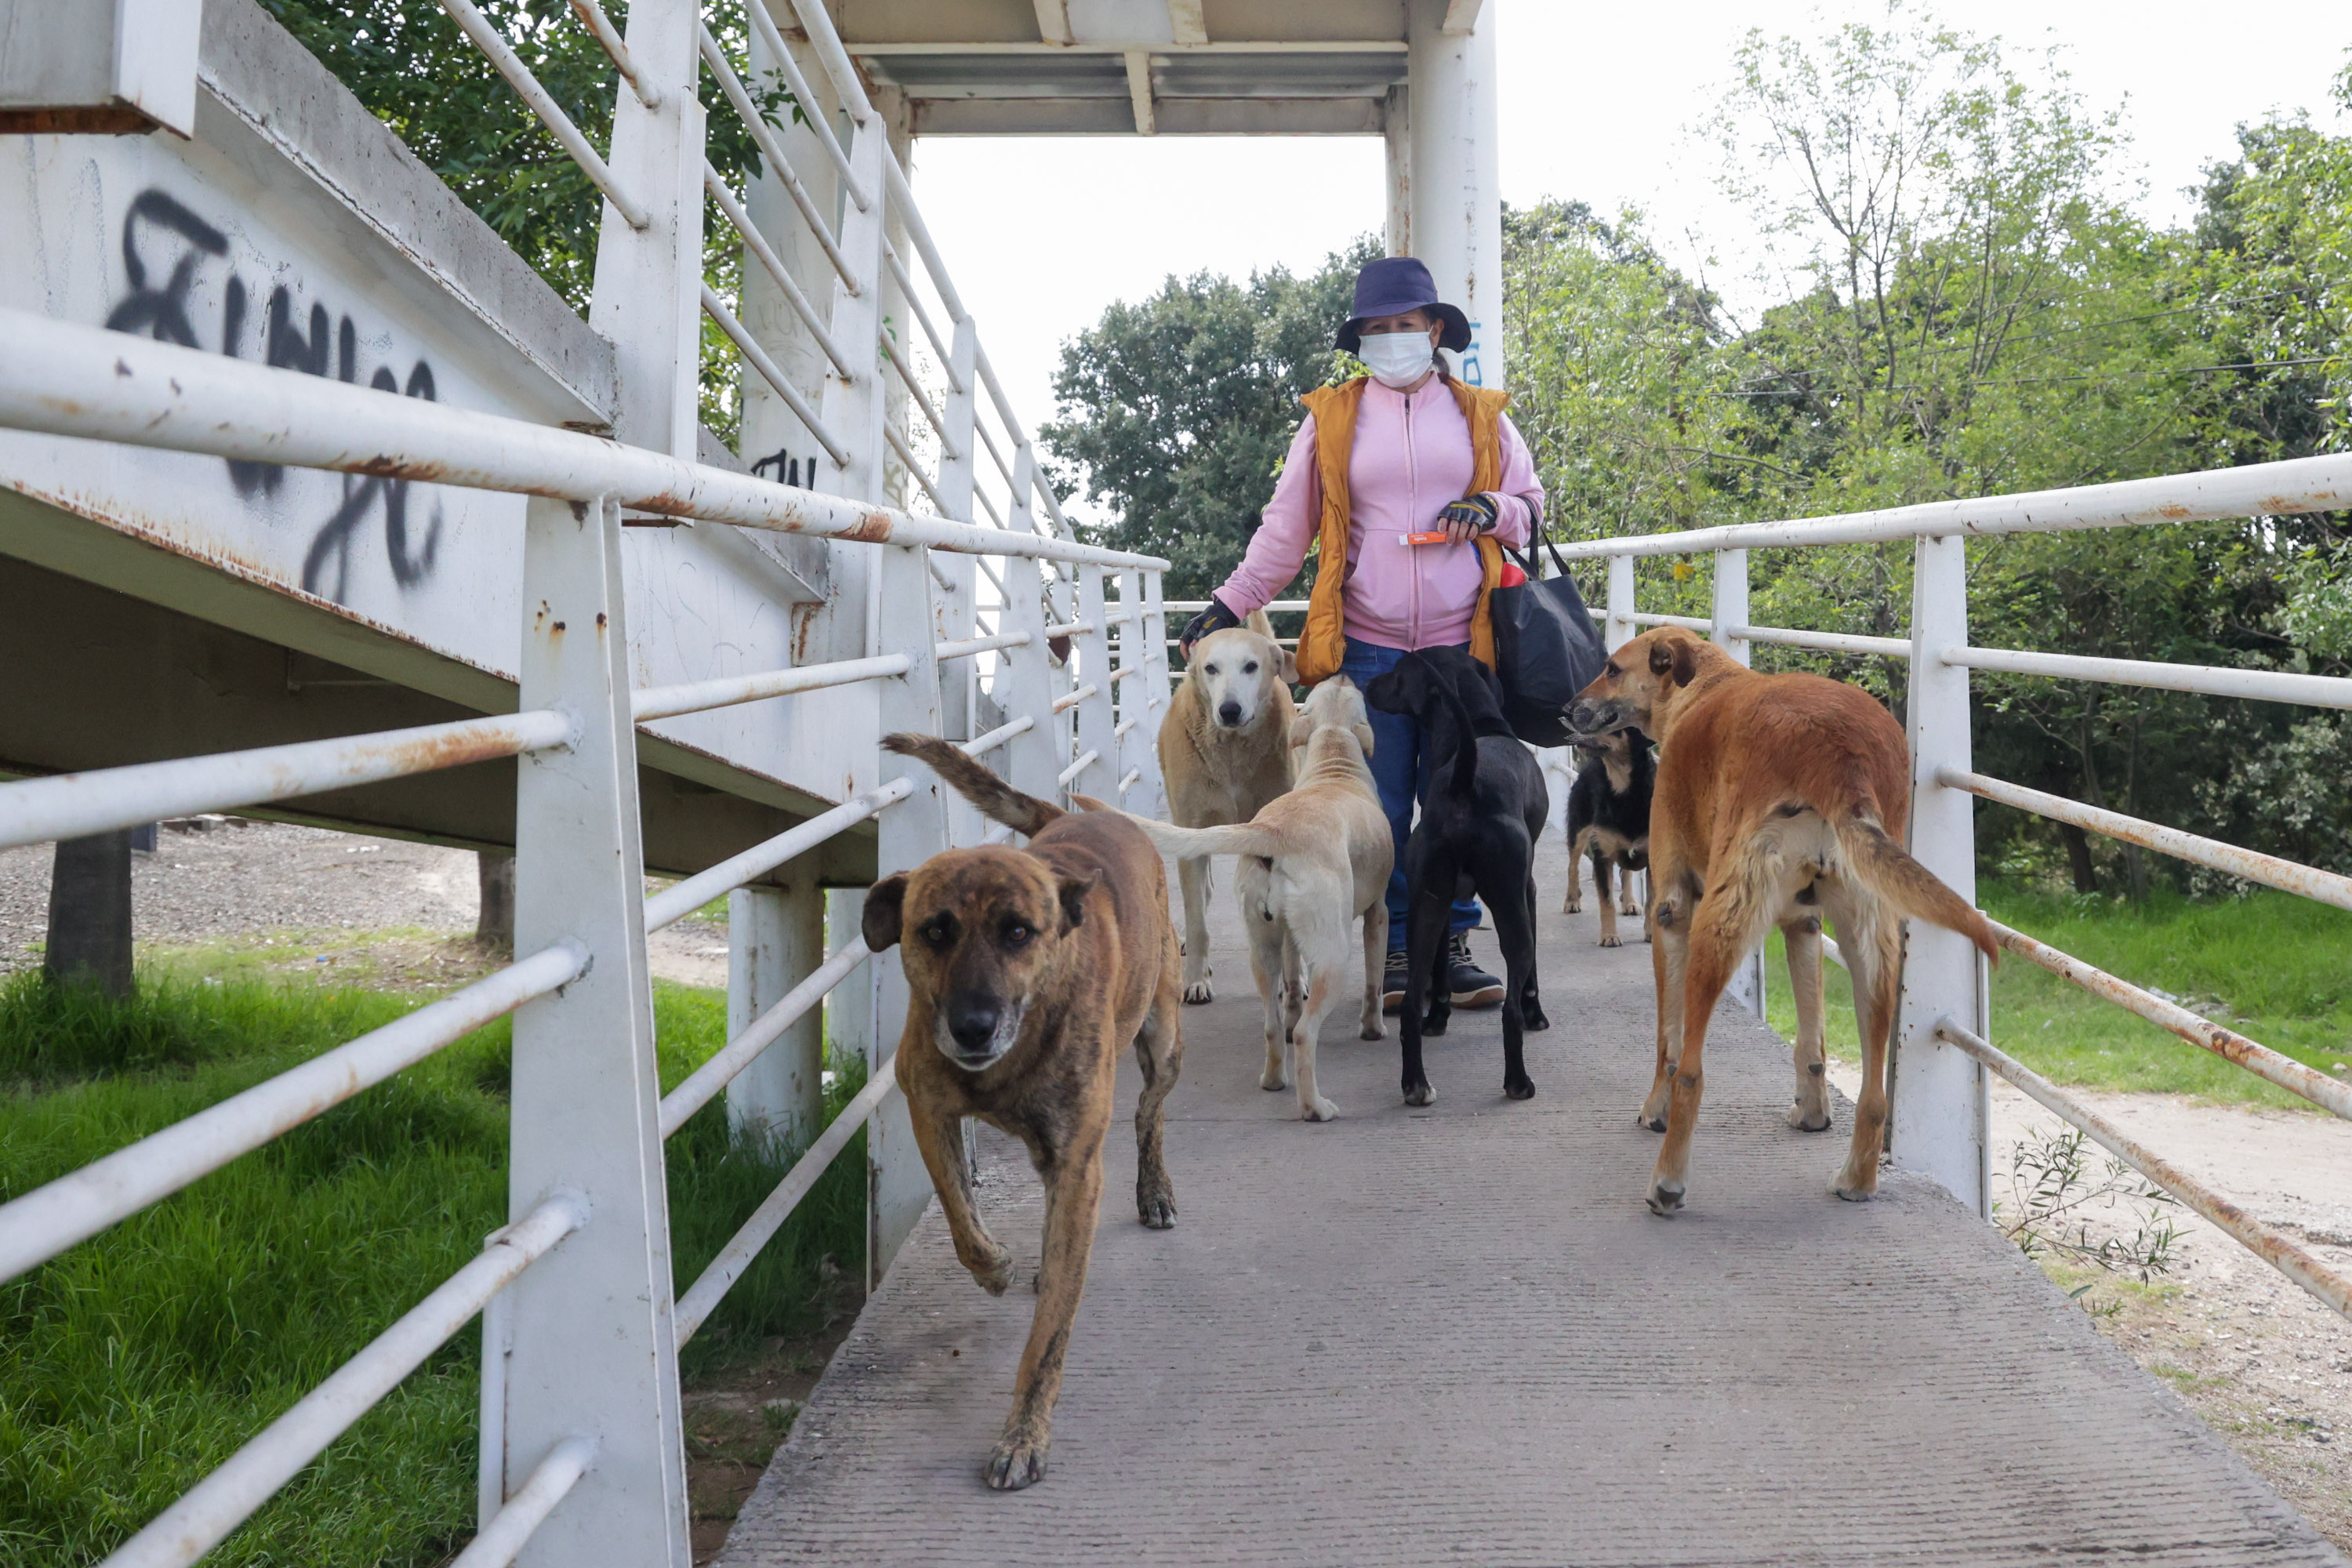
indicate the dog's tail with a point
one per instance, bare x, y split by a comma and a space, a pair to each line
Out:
994, 799
1239, 839
1888, 870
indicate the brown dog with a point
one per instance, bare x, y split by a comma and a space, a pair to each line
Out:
1779, 799
1028, 970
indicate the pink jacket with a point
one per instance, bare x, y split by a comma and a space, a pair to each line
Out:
1412, 456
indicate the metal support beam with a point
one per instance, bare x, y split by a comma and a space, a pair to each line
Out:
1941, 1112
592, 1347
1139, 90
1455, 191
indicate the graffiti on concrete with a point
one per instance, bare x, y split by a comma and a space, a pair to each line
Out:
157, 226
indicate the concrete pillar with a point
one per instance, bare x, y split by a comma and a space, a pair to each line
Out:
89, 912
849, 1011
1396, 138
775, 936
1453, 193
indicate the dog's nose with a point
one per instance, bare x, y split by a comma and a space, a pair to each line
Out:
1583, 717
973, 1024
1229, 713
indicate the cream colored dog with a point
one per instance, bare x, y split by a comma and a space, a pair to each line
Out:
1313, 861
1224, 752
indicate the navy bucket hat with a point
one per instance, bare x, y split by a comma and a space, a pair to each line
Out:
1391, 287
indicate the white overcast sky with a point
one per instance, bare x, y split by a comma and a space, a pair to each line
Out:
1042, 234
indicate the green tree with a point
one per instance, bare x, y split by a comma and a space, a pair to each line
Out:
407, 61
1175, 412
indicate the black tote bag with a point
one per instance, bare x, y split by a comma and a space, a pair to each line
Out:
1546, 649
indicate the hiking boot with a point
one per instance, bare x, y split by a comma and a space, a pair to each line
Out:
1471, 986
1392, 983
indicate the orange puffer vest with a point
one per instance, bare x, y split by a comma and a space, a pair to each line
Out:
1324, 644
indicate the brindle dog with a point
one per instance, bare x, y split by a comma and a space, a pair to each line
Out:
1028, 970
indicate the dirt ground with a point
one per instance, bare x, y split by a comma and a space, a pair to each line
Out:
2263, 1363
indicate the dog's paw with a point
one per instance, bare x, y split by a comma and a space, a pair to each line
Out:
995, 1276
1420, 1094
1532, 1018
1197, 992
1804, 1121
1610, 942
1273, 1077
1629, 909
1523, 1089
1156, 1207
1434, 1024
1371, 1030
1665, 1199
1653, 1120
1856, 1194
1018, 1460
1856, 1186
1319, 1109
1571, 908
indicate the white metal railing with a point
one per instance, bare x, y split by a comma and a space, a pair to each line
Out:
1940, 1118
581, 1453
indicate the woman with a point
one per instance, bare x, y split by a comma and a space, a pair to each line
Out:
1406, 450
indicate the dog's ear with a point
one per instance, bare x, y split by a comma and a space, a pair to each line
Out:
1661, 657
1302, 729
1686, 661
886, 903
1288, 669
1088, 803
1364, 738
1074, 899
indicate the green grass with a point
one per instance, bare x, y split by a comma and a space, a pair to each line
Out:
2282, 965
138, 1360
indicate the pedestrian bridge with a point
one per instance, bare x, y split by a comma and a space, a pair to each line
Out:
1455, 1334
316, 500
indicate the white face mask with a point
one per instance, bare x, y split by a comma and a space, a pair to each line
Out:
1396, 359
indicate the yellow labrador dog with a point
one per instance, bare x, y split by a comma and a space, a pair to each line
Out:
1224, 752
1313, 861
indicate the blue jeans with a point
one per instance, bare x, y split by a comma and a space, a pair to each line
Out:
1399, 763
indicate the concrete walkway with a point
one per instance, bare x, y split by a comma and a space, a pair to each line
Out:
1454, 1334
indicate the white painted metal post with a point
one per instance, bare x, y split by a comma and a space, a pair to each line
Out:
1455, 188
1096, 722
648, 287
849, 1010
593, 1350
775, 935
1024, 689
1618, 628
1396, 135
1730, 610
1941, 1112
959, 602
854, 406
910, 833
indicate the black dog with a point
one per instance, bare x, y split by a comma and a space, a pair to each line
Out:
1483, 807
1608, 818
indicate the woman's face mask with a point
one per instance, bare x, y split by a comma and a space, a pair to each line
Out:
1396, 360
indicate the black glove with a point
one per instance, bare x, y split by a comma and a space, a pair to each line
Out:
1479, 512
1215, 618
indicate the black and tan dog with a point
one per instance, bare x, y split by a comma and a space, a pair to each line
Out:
1609, 819
1027, 972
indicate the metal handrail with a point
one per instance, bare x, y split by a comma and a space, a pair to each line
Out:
811, 113
224, 1499
600, 26
681, 899
79, 1204
968, 647
1827, 642
763, 136
907, 379
1069, 699
73, 806
898, 443
2227, 1044
695, 1306
740, 219
2274, 1247
679, 1106
527, 87
2255, 489
770, 371
2288, 876
1081, 765
701, 695
70, 379
552, 1480
2212, 680
891, 258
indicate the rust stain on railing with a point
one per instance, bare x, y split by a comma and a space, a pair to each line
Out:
2227, 1044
